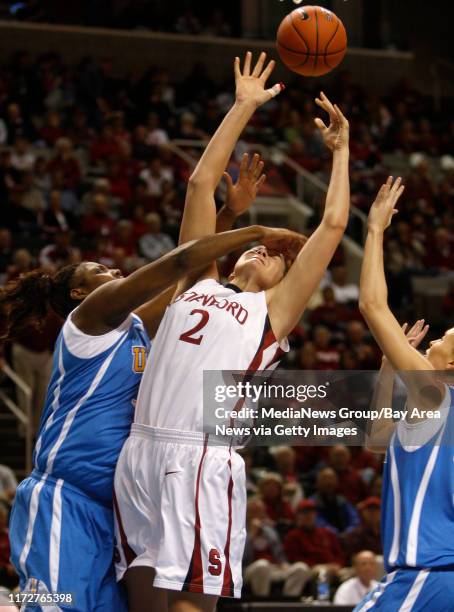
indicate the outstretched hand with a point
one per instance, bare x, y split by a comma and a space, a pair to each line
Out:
241, 195
415, 335
383, 209
250, 86
336, 135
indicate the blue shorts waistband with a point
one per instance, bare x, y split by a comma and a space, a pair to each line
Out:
37, 475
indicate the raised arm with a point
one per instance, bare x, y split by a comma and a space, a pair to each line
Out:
373, 298
110, 304
288, 299
374, 306
199, 217
380, 430
240, 196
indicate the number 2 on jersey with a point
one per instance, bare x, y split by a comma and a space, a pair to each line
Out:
189, 336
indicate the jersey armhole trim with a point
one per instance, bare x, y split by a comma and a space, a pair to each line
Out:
85, 346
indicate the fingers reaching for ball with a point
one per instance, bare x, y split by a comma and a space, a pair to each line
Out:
250, 82
336, 135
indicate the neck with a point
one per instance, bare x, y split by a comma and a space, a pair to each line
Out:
245, 284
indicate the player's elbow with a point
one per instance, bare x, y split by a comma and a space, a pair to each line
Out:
368, 305
335, 223
199, 180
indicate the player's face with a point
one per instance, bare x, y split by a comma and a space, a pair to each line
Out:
262, 266
90, 276
441, 352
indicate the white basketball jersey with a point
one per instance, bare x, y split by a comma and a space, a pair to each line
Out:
209, 327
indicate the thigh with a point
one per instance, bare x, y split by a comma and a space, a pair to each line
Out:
62, 542
203, 517
191, 602
141, 593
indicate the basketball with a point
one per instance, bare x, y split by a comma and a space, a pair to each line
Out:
311, 41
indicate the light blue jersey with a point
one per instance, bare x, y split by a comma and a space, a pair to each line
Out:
418, 493
90, 405
61, 530
418, 517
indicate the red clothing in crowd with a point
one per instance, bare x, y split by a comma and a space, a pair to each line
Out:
313, 546
351, 485
70, 169
4, 548
280, 512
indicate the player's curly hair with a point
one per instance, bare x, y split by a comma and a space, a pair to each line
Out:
27, 299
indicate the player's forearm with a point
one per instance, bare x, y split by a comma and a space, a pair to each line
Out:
214, 160
381, 429
373, 291
338, 196
225, 219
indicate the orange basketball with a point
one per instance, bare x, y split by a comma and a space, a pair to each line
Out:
311, 41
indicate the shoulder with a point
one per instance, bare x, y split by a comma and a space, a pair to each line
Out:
85, 346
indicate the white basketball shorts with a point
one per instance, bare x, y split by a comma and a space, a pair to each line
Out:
180, 507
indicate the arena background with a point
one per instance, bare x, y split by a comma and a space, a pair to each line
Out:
104, 109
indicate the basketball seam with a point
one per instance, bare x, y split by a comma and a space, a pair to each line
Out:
309, 54
335, 32
298, 32
300, 64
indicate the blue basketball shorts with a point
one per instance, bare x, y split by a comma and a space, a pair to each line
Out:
412, 590
62, 543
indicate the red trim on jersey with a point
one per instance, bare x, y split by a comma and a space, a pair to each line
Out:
128, 552
268, 338
276, 357
227, 585
194, 578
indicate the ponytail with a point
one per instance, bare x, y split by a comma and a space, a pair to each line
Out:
27, 300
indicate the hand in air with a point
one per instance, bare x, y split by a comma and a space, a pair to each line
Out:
415, 335
241, 195
250, 86
336, 135
383, 209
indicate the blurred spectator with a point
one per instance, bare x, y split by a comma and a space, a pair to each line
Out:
59, 253
52, 129
21, 264
32, 353
100, 221
8, 484
333, 510
55, 219
285, 462
441, 253
356, 342
8, 576
353, 590
264, 559
367, 533
41, 176
278, 510
330, 313
318, 547
32, 197
66, 162
22, 158
344, 292
327, 356
6, 250
350, 481
155, 175
154, 243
